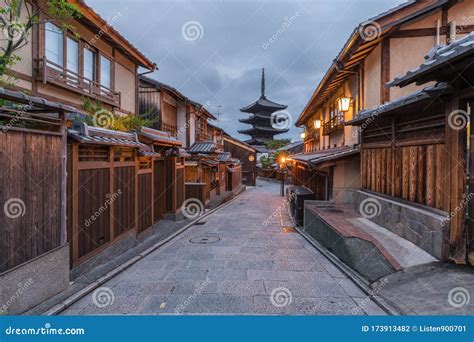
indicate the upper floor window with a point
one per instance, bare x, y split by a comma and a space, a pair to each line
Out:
89, 64
105, 72
72, 53
70, 62
54, 44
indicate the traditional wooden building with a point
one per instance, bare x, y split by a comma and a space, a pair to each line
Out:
264, 127
379, 49
417, 149
94, 62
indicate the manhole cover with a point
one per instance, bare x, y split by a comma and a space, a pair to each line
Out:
202, 240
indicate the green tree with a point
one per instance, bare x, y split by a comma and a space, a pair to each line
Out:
17, 20
277, 143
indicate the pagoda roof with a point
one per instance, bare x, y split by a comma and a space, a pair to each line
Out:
263, 129
255, 118
263, 104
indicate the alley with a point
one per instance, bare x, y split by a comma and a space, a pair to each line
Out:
238, 260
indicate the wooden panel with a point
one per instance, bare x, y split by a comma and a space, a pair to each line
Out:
30, 168
159, 184
124, 203
180, 191
93, 210
145, 219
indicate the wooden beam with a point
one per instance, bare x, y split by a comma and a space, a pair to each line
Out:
385, 71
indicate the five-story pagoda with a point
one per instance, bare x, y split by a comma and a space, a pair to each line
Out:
264, 126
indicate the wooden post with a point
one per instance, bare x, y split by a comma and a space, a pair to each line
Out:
455, 185
75, 203
111, 192
63, 130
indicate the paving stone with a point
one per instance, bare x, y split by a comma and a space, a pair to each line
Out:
235, 275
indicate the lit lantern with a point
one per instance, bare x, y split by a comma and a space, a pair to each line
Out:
317, 124
283, 159
303, 135
343, 104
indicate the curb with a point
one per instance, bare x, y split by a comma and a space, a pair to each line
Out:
66, 303
351, 274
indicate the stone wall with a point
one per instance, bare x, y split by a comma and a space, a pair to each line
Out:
31, 283
425, 228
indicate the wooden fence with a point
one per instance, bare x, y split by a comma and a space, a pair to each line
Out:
113, 191
33, 178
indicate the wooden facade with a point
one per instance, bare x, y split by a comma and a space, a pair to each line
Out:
247, 156
118, 189
33, 182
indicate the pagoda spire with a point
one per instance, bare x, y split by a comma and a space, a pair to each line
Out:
263, 84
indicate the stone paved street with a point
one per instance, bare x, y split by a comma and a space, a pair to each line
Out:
236, 274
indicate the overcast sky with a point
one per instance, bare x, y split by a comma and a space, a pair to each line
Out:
213, 51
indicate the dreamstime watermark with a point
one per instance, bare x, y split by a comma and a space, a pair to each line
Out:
281, 120
458, 208
458, 119
14, 208
198, 291
366, 122
458, 297
464, 24
279, 209
103, 208
372, 293
287, 22
192, 208
103, 30
103, 297
46, 330
103, 118
192, 30
281, 297
17, 294
370, 30
370, 208
19, 114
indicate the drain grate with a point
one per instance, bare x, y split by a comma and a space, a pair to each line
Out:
205, 239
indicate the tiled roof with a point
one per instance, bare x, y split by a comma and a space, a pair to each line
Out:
223, 157
204, 147
292, 145
318, 157
427, 93
35, 101
158, 136
85, 134
438, 57
144, 153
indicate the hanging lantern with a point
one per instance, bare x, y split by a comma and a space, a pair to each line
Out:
303, 135
343, 104
317, 124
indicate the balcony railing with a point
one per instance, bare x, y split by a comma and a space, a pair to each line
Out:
334, 124
50, 72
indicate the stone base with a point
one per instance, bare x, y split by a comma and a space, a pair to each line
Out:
35, 281
424, 228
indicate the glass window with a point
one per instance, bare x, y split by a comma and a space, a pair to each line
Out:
105, 70
89, 64
72, 55
54, 44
